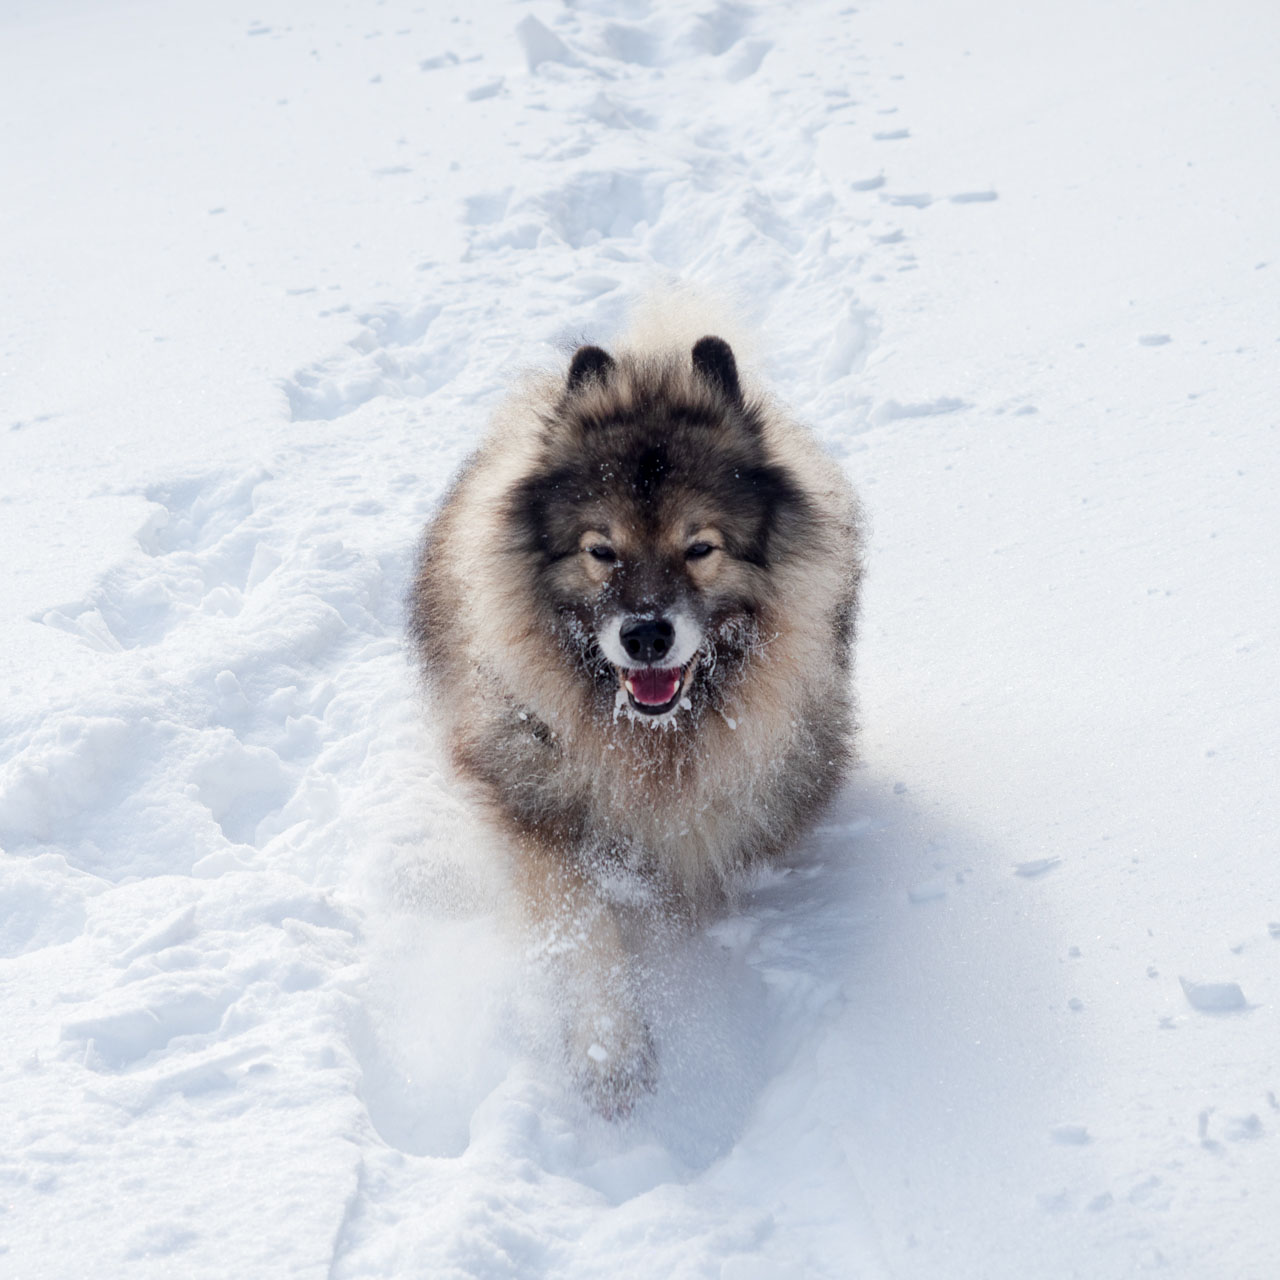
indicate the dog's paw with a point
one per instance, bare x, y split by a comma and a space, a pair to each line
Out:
615, 1063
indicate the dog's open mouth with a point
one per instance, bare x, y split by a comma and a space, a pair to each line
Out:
655, 690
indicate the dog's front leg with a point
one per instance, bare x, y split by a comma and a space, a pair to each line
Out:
610, 1048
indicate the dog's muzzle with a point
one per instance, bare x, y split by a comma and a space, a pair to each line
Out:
654, 656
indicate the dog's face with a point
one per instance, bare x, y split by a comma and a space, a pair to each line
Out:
654, 530
660, 591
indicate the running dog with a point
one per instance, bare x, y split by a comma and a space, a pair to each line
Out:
635, 612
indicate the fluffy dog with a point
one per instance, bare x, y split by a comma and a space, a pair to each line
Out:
635, 611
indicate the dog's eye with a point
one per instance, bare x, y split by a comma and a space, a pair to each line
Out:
602, 552
698, 550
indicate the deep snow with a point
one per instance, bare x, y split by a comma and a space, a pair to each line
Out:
1012, 1010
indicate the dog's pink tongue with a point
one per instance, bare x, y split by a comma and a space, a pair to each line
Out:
653, 686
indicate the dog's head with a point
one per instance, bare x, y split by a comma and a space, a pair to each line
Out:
655, 527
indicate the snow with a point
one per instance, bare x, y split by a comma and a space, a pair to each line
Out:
1011, 1010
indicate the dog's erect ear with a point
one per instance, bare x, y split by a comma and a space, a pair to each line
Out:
714, 363
588, 364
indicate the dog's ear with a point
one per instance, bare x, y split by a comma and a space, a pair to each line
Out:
589, 364
714, 363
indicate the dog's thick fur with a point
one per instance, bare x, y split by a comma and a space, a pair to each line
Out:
641, 485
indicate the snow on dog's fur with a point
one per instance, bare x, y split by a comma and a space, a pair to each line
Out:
635, 611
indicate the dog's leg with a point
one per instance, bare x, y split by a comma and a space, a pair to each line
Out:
610, 1048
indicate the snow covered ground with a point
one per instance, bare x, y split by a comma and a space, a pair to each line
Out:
1012, 1011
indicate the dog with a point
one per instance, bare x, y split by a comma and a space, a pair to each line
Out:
635, 612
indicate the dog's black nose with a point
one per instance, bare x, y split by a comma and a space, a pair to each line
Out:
648, 640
